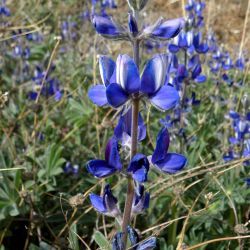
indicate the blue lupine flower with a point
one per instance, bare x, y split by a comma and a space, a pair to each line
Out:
106, 204
106, 27
136, 244
164, 161
4, 11
71, 169
198, 45
152, 84
247, 181
111, 164
229, 156
228, 63
141, 200
123, 129
183, 41
240, 63
51, 86
240, 125
246, 152
139, 167
120, 79
164, 29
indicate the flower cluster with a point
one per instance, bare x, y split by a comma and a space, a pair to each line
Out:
124, 88
240, 142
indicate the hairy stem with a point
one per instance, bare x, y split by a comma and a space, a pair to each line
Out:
134, 136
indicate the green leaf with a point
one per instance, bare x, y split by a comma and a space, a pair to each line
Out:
73, 239
101, 241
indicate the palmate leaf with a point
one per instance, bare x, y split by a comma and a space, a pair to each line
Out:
9, 196
53, 161
78, 112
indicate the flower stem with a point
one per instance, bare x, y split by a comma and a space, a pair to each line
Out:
134, 136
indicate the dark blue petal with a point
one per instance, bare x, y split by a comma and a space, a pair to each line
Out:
97, 94
138, 161
100, 168
132, 24
112, 155
133, 236
154, 74
196, 72
110, 202
117, 242
97, 203
172, 163
166, 98
107, 69
139, 167
128, 74
162, 144
140, 200
116, 96
194, 60
229, 156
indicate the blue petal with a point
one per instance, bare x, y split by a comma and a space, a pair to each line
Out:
112, 155
140, 175
169, 28
162, 144
166, 98
173, 48
200, 79
107, 69
97, 203
154, 74
148, 244
104, 25
202, 49
116, 96
142, 129
182, 40
97, 94
124, 126
128, 74
100, 168
234, 115
172, 163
